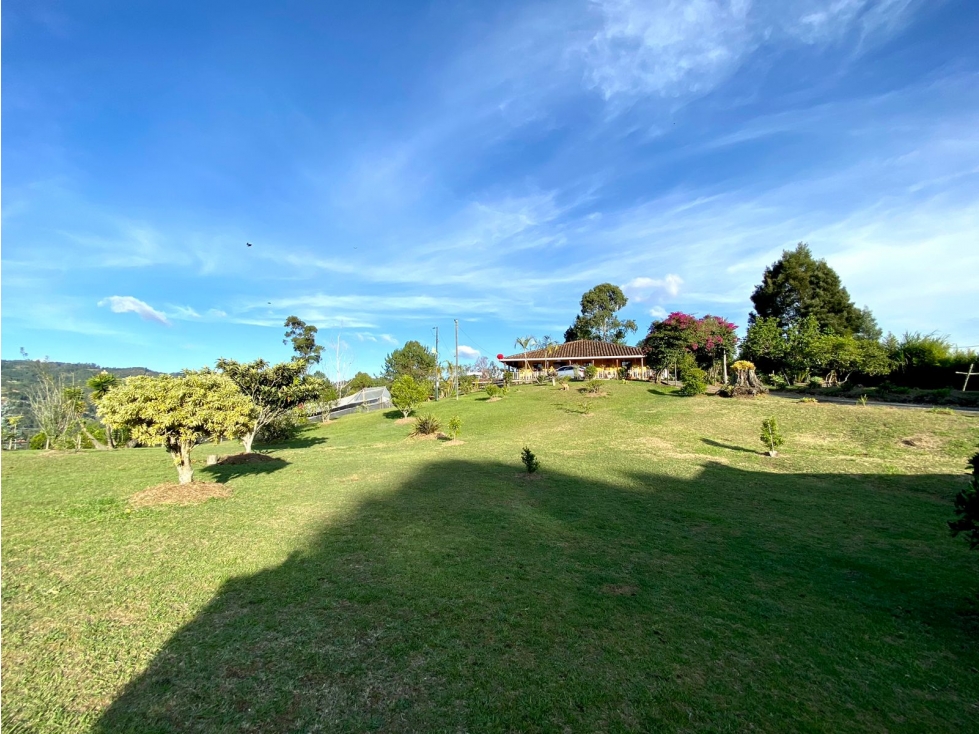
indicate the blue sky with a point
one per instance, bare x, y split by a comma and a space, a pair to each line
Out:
398, 165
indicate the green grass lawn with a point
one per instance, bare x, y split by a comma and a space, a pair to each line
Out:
659, 573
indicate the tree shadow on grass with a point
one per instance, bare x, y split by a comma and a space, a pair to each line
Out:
224, 473
300, 442
570, 409
468, 600
729, 447
665, 393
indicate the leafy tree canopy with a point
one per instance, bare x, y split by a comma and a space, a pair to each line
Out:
407, 393
412, 359
598, 319
798, 286
179, 412
303, 338
274, 389
707, 339
360, 381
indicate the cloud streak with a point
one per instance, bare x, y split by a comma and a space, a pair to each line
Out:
129, 304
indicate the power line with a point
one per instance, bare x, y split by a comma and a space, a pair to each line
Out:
482, 349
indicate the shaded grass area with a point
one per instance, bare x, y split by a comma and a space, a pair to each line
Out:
658, 574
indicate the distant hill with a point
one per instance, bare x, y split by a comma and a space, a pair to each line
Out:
17, 376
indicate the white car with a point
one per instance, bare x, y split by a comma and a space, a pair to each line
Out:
571, 371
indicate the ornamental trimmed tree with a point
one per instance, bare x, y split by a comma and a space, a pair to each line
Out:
276, 390
408, 393
179, 412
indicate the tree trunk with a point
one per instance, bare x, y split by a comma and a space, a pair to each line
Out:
109, 442
181, 457
47, 442
90, 437
247, 439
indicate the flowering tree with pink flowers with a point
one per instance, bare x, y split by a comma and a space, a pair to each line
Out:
706, 339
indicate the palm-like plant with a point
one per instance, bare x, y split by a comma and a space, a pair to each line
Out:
525, 343
550, 348
101, 385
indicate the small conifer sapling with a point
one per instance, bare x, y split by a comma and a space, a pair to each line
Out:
771, 436
529, 460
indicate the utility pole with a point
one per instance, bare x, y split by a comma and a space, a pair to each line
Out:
437, 368
725, 366
457, 359
968, 374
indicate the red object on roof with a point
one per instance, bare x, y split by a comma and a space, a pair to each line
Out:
499, 356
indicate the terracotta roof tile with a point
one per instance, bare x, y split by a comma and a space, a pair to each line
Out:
581, 349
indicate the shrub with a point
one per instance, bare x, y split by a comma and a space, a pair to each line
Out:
585, 407
623, 373
742, 365
862, 400
507, 378
771, 436
38, 441
282, 428
564, 383
529, 460
492, 390
407, 394
809, 400
455, 426
694, 382
468, 384
816, 382
967, 507
594, 387
426, 425
693, 378
591, 371
778, 382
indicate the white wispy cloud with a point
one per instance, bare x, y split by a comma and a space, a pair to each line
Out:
129, 304
657, 313
685, 49
183, 312
642, 289
466, 352
216, 313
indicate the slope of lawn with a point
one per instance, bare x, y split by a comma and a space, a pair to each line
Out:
658, 573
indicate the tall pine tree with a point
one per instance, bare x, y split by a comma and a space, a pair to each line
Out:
797, 286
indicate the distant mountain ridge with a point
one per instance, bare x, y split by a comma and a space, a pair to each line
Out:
17, 376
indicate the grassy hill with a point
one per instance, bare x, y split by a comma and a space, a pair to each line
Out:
658, 574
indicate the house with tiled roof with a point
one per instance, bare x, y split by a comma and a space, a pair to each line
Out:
607, 357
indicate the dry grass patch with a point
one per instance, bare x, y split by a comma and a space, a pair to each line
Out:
180, 494
922, 441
